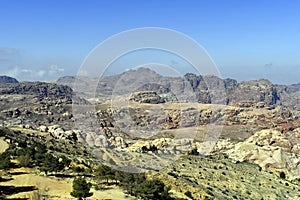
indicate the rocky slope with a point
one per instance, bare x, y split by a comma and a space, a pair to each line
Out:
216, 177
36, 103
39, 89
149, 121
120, 134
270, 149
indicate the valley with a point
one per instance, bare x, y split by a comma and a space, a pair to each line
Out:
200, 137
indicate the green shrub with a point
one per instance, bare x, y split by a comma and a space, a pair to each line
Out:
189, 194
81, 188
25, 160
5, 161
104, 172
194, 152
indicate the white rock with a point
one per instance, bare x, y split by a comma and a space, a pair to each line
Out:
43, 128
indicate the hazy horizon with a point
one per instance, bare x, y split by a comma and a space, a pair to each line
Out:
118, 73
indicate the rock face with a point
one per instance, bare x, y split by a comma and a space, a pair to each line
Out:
39, 89
192, 88
147, 97
66, 80
256, 91
271, 150
36, 103
7, 79
210, 89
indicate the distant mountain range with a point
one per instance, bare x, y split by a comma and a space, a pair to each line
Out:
191, 87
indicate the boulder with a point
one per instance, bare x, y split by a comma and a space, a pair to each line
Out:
43, 128
146, 97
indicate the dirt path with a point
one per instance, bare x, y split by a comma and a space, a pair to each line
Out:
3, 145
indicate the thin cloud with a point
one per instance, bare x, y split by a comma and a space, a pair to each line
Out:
15, 72
55, 70
26, 74
8, 51
30, 74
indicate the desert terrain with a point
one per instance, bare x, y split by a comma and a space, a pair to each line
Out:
212, 139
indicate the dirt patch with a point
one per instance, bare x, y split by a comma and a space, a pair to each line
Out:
3, 145
54, 188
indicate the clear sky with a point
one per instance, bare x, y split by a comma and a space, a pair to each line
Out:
42, 40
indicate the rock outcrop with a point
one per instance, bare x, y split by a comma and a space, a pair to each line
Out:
40, 89
256, 91
146, 97
271, 150
7, 79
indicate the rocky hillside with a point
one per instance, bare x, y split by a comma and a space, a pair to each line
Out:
270, 149
7, 79
215, 177
36, 103
192, 88
148, 124
39, 89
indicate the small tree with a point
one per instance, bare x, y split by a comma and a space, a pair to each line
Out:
50, 164
25, 160
194, 152
5, 161
104, 172
282, 175
189, 194
127, 181
81, 188
144, 149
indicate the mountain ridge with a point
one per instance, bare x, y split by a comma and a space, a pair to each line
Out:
206, 89
8, 79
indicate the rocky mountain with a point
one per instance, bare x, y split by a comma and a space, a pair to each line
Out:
191, 88
36, 103
40, 89
7, 79
249, 146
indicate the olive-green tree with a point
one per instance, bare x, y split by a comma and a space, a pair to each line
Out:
104, 172
81, 188
5, 161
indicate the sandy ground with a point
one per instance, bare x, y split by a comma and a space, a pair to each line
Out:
3, 145
56, 189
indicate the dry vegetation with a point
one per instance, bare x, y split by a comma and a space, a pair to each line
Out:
215, 177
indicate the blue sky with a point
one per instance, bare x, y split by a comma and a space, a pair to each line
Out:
42, 40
